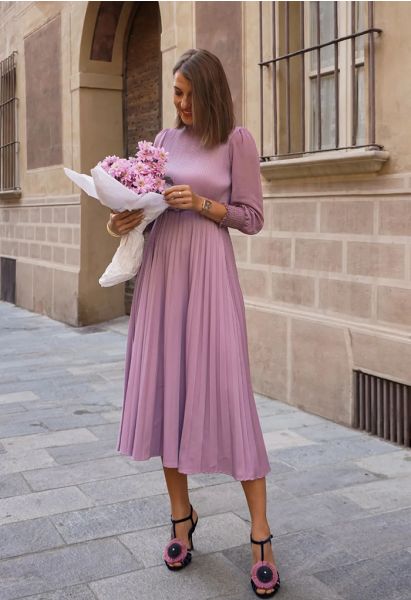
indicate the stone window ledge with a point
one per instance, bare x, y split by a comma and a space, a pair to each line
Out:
10, 195
339, 162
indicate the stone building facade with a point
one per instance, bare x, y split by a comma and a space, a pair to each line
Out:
327, 282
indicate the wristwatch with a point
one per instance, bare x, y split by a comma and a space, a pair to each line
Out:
207, 204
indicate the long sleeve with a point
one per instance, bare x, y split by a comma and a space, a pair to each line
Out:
245, 208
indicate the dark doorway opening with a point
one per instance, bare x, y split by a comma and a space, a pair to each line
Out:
8, 279
142, 89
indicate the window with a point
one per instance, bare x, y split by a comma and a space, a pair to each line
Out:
9, 176
317, 77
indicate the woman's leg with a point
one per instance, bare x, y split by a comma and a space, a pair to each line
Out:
256, 495
179, 502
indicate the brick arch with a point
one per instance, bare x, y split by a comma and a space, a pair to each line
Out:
102, 41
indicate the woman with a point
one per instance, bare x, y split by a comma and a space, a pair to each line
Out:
188, 395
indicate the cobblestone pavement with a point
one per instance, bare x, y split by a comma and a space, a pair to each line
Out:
79, 521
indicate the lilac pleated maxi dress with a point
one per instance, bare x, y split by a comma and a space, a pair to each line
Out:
187, 387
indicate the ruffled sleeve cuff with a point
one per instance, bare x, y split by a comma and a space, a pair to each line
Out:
235, 217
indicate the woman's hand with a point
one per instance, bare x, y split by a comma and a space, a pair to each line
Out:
123, 222
182, 196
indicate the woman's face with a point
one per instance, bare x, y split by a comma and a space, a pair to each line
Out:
182, 98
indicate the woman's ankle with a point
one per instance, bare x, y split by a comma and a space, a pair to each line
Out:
180, 510
260, 529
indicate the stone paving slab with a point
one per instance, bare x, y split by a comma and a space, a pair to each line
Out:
35, 415
107, 431
33, 505
28, 536
13, 484
15, 462
305, 588
380, 496
71, 421
52, 569
387, 576
308, 512
13, 407
323, 479
112, 519
373, 536
388, 465
53, 440
89, 470
77, 452
12, 397
285, 439
76, 592
200, 581
327, 431
307, 552
25, 427
277, 422
306, 456
120, 489
80, 521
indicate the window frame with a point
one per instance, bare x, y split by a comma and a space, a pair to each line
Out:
269, 70
9, 130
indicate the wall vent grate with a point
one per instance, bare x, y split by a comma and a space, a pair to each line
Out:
382, 407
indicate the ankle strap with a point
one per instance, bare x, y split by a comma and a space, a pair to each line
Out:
261, 542
184, 519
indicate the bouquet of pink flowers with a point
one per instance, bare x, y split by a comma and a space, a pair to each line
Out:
142, 173
128, 184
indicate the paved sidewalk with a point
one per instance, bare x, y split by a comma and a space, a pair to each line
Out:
79, 521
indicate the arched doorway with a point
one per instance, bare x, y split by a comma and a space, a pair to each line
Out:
116, 38
142, 86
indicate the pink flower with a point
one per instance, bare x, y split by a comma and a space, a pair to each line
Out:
141, 173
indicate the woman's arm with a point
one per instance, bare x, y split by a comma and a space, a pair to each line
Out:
216, 211
183, 197
245, 209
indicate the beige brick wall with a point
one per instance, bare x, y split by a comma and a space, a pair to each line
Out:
346, 255
45, 241
327, 287
43, 234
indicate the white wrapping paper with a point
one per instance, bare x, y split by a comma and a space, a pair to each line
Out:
110, 192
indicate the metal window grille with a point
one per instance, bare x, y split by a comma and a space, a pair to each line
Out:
283, 77
382, 407
9, 145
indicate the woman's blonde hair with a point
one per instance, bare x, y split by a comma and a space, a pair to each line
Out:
212, 104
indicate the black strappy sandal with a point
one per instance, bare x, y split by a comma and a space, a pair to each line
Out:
264, 575
176, 550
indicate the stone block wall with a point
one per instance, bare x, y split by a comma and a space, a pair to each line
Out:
46, 242
329, 273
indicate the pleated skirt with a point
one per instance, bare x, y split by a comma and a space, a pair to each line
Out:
187, 387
